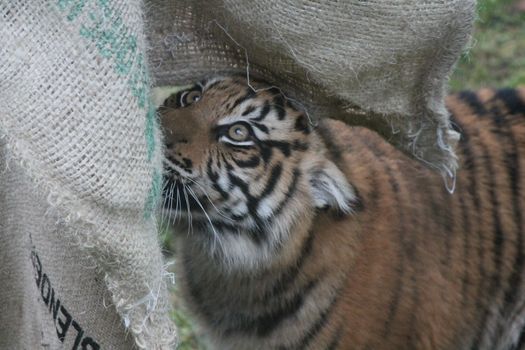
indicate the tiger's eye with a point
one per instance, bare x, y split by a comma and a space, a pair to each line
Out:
239, 132
192, 97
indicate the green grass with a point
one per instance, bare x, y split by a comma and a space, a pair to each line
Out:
496, 59
497, 54
188, 338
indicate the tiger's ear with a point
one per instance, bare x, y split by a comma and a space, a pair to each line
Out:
329, 187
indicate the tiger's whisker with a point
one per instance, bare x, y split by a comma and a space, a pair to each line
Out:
163, 211
215, 234
221, 213
188, 211
170, 201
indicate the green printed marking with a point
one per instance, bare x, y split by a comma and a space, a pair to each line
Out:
137, 82
75, 8
62, 4
115, 41
153, 195
156, 184
125, 55
151, 126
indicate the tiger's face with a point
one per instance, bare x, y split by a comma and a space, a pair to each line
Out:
244, 170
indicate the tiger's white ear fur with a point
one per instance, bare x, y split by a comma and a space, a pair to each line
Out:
329, 187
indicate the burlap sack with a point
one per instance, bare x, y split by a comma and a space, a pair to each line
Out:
80, 165
382, 64
80, 265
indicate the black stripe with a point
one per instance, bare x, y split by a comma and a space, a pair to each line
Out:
314, 330
264, 112
237, 182
251, 162
288, 277
512, 164
227, 164
336, 339
400, 268
373, 196
283, 146
291, 191
222, 225
275, 175
513, 103
224, 195
261, 127
188, 164
397, 291
300, 146
214, 178
266, 153
333, 148
470, 164
248, 110
471, 99
237, 217
497, 239
302, 125
177, 163
266, 323
248, 95
278, 102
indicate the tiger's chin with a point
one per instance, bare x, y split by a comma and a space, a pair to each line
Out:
229, 245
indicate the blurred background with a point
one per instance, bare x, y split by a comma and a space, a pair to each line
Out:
496, 58
497, 52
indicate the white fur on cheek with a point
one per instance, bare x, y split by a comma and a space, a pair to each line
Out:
265, 209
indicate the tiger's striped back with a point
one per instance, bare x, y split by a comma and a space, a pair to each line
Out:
455, 262
411, 267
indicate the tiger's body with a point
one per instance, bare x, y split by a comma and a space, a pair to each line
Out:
329, 238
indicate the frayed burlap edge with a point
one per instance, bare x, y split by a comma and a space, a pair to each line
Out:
193, 39
146, 315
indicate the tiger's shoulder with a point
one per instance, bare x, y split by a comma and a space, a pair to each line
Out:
486, 115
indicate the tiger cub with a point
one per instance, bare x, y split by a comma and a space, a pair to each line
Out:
290, 236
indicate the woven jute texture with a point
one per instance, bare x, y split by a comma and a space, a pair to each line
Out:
80, 165
382, 64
